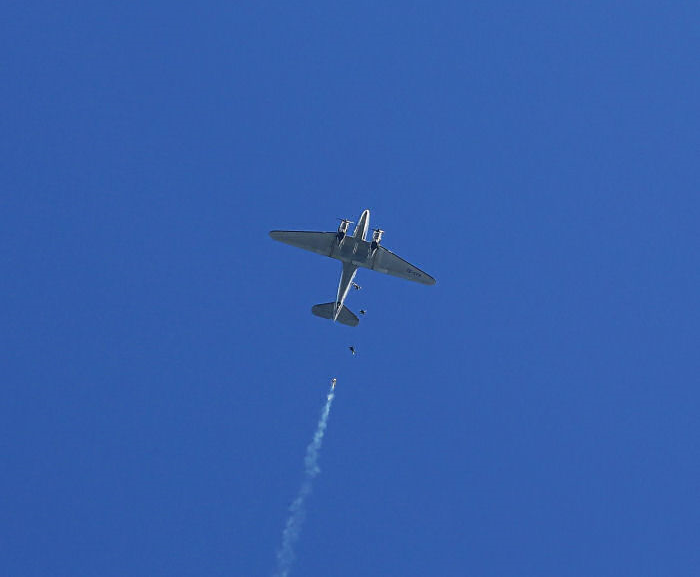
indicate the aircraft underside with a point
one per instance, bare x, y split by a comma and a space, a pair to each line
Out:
354, 251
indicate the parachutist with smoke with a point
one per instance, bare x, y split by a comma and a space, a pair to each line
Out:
297, 510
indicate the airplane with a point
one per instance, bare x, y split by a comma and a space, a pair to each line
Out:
354, 252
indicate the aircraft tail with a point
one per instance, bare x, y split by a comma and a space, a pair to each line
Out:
346, 316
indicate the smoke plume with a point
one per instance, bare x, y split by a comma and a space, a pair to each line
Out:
297, 510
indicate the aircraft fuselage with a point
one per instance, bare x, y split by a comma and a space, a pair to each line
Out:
352, 253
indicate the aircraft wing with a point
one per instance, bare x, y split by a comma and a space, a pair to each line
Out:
318, 242
389, 263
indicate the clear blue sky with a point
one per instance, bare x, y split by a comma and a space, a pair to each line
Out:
534, 413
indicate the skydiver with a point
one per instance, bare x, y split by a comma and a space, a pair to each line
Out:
333, 383
363, 312
356, 286
352, 350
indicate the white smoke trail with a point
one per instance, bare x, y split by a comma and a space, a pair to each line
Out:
297, 511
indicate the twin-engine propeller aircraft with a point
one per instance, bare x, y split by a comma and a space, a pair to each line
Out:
354, 252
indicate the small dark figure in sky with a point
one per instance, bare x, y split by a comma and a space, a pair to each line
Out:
352, 350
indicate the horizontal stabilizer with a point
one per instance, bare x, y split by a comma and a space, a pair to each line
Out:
325, 311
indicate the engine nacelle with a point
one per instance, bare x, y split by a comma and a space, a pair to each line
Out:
376, 238
342, 230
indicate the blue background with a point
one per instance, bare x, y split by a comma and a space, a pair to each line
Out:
534, 413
